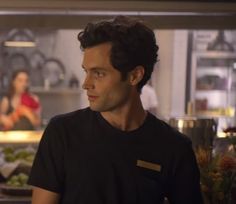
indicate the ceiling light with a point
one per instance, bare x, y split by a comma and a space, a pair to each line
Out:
20, 38
19, 44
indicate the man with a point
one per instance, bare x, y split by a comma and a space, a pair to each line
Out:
114, 152
149, 99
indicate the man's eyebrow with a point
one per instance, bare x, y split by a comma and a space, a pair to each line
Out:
95, 68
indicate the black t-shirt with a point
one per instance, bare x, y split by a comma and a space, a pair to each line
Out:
88, 161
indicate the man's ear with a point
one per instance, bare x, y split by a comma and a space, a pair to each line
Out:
136, 75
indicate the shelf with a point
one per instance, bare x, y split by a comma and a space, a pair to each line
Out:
20, 137
219, 112
8, 199
55, 90
211, 90
215, 54
41, 90
211, 114
215, 67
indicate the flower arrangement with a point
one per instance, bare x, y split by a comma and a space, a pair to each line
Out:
218, 174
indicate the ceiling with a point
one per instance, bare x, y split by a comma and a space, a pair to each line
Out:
211, 14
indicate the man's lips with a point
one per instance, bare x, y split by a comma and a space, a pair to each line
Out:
92, 98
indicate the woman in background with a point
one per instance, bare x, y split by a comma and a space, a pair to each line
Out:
19, 109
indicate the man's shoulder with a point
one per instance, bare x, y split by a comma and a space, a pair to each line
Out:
169, 134
81, 115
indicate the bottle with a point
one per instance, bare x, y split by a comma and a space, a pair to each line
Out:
46, 84
4, 80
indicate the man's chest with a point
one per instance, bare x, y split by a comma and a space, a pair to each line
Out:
105, 165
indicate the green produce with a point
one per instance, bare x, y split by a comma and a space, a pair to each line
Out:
8, 150
19, 180
12, 155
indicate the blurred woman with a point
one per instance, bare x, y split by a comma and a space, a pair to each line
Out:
19, 109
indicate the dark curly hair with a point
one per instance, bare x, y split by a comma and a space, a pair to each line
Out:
133, 44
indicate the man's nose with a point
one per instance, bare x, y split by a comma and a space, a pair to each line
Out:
88, 83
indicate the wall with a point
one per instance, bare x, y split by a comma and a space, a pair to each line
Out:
179, 73
170, 75
162, 78
68, 49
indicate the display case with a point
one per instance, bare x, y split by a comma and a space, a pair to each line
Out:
213, 85
17, 152
19, 137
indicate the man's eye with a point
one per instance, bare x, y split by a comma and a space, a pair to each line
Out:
99, 74
85, 70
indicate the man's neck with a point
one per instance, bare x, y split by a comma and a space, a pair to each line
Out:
126, 118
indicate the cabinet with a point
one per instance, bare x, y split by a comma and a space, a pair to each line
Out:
213, 84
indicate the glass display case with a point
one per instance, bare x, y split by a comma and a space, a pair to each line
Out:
17, 152
18, 137
213, 85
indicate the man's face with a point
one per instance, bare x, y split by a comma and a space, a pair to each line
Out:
105, 89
